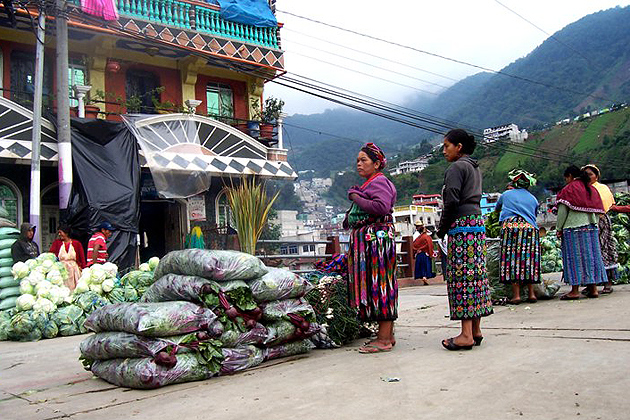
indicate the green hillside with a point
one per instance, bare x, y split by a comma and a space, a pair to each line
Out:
603, 140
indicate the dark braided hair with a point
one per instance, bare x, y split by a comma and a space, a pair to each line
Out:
580, 175
459, 136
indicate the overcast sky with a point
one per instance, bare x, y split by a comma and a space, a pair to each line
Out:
481, 32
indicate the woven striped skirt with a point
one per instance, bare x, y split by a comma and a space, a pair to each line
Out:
609, 247
466, 276
372, 284
520, 252
582, 256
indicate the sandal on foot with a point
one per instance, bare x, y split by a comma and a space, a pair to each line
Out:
449, 344
585, 291
478, 340
569, 297
606, 291
532, 300
374, 348
592, 296
514, 302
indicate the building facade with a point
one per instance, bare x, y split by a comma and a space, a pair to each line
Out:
171, 62
411, 166
504, 132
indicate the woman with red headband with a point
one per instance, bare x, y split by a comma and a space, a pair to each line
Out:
372, 284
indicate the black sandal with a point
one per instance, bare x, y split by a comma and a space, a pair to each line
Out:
478, 340
450, 345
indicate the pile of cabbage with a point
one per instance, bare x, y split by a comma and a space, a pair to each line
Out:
42, 286
47, 309
551, 256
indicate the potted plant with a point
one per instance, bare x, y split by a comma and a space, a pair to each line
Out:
269, 116
253, 125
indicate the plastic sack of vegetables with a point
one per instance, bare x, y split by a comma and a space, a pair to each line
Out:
5, 322
233, 338
215, 265
322, 340
288, 349
279, 284
42, 322
173, 287
281, 309
240, 358
158, 319
23, 328
69, 320
122, 345
283, 331
145, 373
89, 301
138, 279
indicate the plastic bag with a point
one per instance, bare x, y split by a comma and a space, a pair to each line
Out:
138, 279
240, 358
145, 373
23, 327
257, 335
280, 309
288, 349
89, 301
215, 265
5, 322
322, 340
279, 284
159, 319
122, 345
69, 320
173, 287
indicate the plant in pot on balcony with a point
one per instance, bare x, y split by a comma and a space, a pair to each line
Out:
270, 115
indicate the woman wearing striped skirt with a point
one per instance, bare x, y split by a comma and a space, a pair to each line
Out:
606, 238
465, 274
372, 284
520, 241
579, 208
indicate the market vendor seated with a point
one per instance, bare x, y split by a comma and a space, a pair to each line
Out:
97, 245
25, 248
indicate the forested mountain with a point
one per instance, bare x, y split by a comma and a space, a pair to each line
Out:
584, 66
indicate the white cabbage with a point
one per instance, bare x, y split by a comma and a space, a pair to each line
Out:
144, 267
107, 285
20, 270
43, 305
25, 302
98, 274
96, 288
153, 263
111, 269
26, 288
82, 287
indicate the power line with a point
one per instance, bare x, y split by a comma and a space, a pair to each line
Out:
525, 79
370, 54
546, 33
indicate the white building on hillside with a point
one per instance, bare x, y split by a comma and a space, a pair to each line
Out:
405, 218
508, 131
409, 166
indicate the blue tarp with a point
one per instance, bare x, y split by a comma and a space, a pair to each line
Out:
248, 12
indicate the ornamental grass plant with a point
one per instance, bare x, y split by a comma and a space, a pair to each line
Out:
250, 206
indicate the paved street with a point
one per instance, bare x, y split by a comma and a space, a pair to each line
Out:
549, 360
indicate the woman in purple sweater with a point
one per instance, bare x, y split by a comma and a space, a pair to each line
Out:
372, 284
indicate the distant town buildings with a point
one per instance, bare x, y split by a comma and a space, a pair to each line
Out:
504, 132
434, 200
405, 218
410, 166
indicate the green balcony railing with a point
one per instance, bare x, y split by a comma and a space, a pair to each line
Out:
196, 17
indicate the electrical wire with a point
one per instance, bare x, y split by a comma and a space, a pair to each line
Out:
454, 60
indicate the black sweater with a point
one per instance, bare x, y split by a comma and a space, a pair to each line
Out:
461, 192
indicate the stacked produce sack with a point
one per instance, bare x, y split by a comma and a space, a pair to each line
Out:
208, 313
9, 287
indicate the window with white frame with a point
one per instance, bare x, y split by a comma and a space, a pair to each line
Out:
224, 215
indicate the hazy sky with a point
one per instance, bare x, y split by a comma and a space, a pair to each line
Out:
481, 32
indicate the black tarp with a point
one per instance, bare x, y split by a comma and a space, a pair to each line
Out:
106, 185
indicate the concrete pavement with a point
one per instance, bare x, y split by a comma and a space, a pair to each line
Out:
549, 360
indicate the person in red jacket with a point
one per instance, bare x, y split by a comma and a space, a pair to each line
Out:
70, 253
423, 252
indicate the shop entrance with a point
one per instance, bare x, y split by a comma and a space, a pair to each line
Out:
162, 227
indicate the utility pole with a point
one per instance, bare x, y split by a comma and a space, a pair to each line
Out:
35, 203
63, 107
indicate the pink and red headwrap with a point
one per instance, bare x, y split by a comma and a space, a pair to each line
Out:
375, 153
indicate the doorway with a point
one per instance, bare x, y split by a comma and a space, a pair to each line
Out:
162, 228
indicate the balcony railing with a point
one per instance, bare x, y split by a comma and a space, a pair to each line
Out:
203, 18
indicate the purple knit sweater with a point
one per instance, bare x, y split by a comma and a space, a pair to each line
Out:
377, 198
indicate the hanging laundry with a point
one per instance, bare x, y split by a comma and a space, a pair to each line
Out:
101, 8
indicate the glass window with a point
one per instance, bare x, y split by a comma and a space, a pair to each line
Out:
305, 248
140, 90
77, 75
220, 100
284, 250
224, 212
23, 79
293, 249
9, 201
